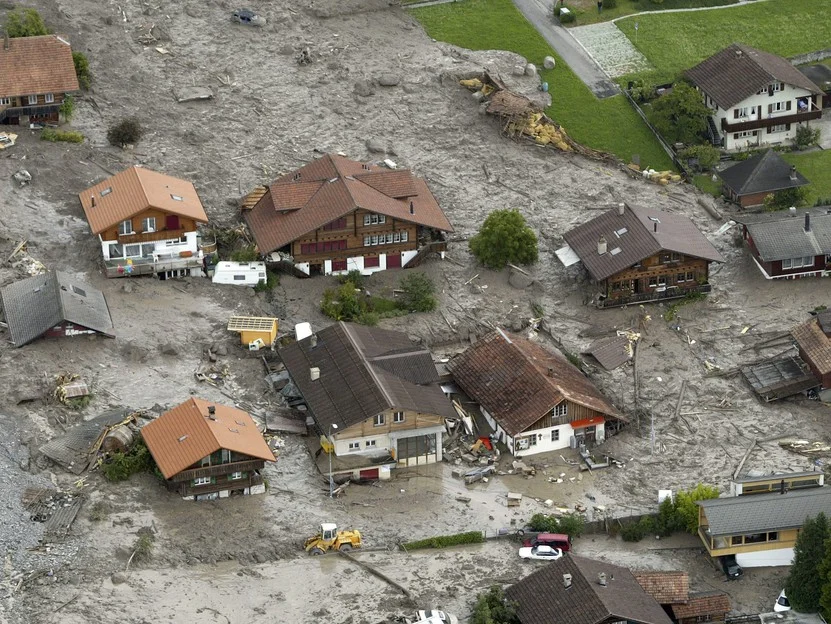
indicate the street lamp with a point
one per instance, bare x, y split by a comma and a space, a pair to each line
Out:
331, 452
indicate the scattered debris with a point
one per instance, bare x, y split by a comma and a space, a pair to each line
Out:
77, 450
70, 389
7, 139
22, 176
192, 94
804, 447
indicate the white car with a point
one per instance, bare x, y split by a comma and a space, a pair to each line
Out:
782, 603
435, 617
541, 552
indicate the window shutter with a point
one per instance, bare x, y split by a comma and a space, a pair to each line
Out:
770, 108
788, 105
735, 113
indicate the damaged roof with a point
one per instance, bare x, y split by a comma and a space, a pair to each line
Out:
184, 435
714, 604
632, 233
35, 65
542, 597
364, 371
518, 381
34, 305
332, 187
134, 190
764, 173
783, 235
665, 587
739, 72
814, 343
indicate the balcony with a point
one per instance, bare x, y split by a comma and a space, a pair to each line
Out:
221, 469
656, 295
28, 111
146, 237
150, 265
770, 120
186, 488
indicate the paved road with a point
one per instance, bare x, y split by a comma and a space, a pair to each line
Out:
539, 13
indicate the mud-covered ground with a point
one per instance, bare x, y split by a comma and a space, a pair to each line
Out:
237, 559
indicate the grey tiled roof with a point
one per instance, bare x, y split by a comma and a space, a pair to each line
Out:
34, 305
634, 235
739, 71
363, 372
758, 513
781, 235
764, 173
542, 598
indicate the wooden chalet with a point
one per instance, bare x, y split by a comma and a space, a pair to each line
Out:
636, 255
749, 182
336, 215
207, 450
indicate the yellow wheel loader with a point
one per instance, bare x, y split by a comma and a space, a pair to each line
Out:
330, 538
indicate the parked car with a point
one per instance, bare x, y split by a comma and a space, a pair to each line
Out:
731, 569
435, 617
782, 603
555, 540
248, 17
541, 552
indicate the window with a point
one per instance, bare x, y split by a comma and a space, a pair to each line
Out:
106, 191
367, 219
779, 128
116, 251
398, 417
367, 241
202, 481
382, 218
5, 101
773, 536
690, 276
125, 227
681, 277
405, 236
354, 446
375, 219
33, 99
239, 278
148, 224
662, 281
778, 107
555, 435
561, 409
176, 197
132, 251
380, 419
337, 224
736, 540
396, 237
389, 238
371, 262
798, 263
225, 456
369, 443
653, 282
755, 538
745, 134
740, 112
234, 476
338, 265
49, 97
374, 240
777, 86
148, 249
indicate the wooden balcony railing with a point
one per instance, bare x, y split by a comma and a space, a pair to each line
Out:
221, 469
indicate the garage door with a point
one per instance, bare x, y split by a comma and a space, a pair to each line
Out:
371, 473
394, 261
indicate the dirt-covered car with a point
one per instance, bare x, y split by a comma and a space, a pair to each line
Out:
541, 552
248, 17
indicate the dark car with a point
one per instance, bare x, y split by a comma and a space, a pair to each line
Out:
555, 540
731, 569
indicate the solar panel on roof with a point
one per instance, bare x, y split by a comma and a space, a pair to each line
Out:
251, 323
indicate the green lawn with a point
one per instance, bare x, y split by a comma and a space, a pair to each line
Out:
586, 10
816, 166
674, 42
705, 183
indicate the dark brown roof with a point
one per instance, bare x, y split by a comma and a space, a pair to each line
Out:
764, 173
814, 345
542, 597
518, 382
665, 587
333, 186
634, 235
611, 352
35, 65
712, 603
364, 371
739, 71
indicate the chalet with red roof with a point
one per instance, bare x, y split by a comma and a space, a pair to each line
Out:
336, 215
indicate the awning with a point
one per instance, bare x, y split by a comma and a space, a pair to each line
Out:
567, 256
587, 422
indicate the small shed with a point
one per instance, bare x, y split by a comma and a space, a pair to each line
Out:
251, 328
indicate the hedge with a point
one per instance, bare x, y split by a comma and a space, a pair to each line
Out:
444, 541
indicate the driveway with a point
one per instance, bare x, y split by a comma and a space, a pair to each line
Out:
540, 14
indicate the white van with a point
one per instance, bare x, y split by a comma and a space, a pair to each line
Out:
239, 273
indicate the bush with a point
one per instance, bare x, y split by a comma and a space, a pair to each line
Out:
444, 541
353, 276
143, 546
503, 238
65, 136
806, 137
246, 254
566, 18
370, 319
680, 115
128, 131
67, 107
609, 4
636, 531
82, 69
342, 303
493, 608
418, 293
782, 200
272, 281
22, 22
120, 466
642, 90
572, 525
706, 155
686, 509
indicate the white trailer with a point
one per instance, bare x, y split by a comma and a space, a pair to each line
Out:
239, 273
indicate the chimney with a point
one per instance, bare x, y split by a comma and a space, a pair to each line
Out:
296, 176
601, 579
93, 201
782, 486
807, 222
621, 208
601, 245
314, 373
655, 226
313, 340
793, 173
412, 208
566, 580
212, 412
550, 371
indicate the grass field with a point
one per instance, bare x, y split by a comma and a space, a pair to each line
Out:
673, 42
816, 166
608, 124
586, 10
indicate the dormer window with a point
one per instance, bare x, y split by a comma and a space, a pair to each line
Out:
176, 197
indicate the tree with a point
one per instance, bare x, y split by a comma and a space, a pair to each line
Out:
680, 115
825, 579
82, 69
492, 607
67, 107
128, 131
784, 199
706, 156
418, 293
22, 22
804, 586
504, 238
686, 508
806, 137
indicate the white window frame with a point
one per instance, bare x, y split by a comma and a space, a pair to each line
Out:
370, 443
662, 280
234, 476
777, 86
382, 218
148, 224
744, 111
374, 240
798, 263
5, 101
119, 251
374, 219
396, 237
555, 435
354, 446
135, 253
778, 128
49, 98
202, 481
379, 421
33, 99
122, 229
367, 219
389, 238
225, 456
744, 134
405, 236
561, 409
778, 107
398, 417
367, 241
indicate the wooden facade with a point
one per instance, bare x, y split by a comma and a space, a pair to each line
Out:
738, 544
665, 275
574, 412
412, 421
168, 226
225, 470
20, 111
346, 237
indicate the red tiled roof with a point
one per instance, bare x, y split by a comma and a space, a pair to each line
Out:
665, 587
134, 190
814, 344
334, 186
182, 436
518, 381
712, 603
34, 65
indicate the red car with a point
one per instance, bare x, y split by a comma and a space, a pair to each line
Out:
555, 540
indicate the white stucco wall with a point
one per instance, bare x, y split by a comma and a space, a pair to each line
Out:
766, 558
406, 256
163, 250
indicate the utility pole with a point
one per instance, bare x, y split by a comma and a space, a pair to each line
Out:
331, 452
